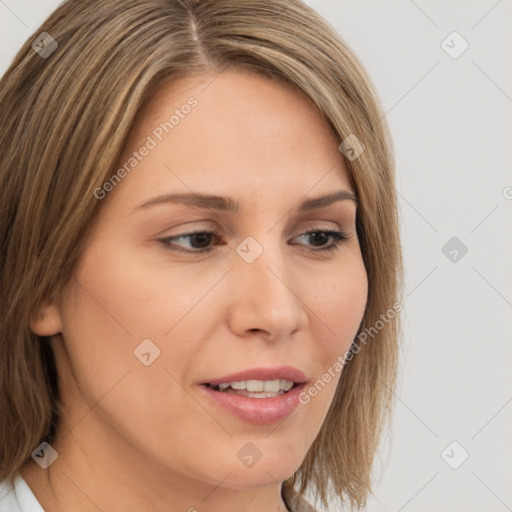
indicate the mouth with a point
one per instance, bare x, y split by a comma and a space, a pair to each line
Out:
259, 395
259, 382
257, 407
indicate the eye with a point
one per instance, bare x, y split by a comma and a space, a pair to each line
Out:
320, 237
199, 241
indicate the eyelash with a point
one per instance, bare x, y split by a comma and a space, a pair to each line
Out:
339, 236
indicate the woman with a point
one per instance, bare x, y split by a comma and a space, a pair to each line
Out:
199, 229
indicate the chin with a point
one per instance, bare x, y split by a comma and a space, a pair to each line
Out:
260, 475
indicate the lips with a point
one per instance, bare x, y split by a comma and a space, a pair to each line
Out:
256, 410
281, 372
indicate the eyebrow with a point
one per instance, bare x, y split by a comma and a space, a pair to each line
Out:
227, 204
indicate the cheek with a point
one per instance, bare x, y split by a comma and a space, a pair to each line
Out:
132, 298
115, 303
340, 303
113, 306
337, 309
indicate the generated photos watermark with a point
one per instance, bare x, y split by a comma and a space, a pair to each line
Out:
337, 366
157, 135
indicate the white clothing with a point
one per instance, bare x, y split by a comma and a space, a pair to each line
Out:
19, 498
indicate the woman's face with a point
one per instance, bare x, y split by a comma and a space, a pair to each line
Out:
152, 313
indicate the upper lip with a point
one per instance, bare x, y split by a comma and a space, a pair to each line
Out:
281, 372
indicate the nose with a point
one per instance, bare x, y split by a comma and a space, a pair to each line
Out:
266, 296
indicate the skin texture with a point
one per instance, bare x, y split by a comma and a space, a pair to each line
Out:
134, 435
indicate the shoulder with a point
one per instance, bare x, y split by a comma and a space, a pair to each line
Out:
17, 497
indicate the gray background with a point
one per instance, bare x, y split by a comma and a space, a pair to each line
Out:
452, 125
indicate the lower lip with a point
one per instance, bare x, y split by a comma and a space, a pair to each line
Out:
261, 411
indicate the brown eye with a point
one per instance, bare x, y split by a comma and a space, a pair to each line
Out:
199, 241
320, 237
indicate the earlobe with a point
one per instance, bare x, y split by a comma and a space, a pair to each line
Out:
46, 321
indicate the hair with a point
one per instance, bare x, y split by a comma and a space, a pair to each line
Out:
65, 120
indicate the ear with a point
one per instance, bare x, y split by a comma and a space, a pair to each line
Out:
46, 321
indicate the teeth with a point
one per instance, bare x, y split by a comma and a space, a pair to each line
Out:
244, 392
287, 384
254, 386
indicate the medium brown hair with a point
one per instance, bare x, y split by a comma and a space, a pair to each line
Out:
64, 123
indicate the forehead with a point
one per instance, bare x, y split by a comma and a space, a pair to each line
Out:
244, 129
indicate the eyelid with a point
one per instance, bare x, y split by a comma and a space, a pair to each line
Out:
213, 227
